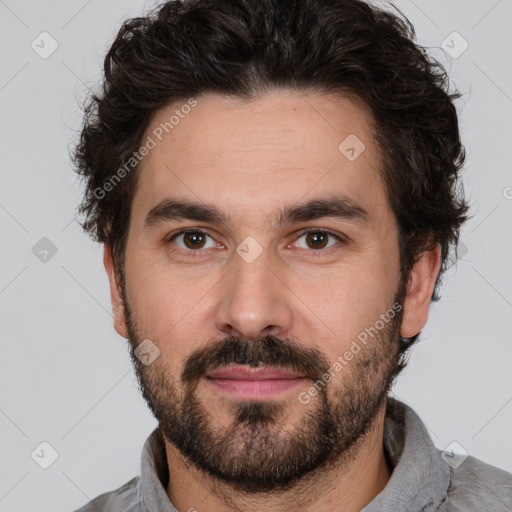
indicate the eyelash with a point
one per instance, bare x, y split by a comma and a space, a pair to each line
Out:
320, 252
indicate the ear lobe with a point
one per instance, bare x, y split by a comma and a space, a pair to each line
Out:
116, 297
419, 290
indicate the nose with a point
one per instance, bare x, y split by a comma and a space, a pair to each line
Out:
255, 300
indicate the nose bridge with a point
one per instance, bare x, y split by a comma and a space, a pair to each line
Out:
254, 299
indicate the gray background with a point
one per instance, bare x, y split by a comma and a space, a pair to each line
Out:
65, 374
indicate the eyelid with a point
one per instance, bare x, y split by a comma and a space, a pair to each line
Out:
341, 238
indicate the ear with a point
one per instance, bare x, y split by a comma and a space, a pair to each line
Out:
116, 296
420, 288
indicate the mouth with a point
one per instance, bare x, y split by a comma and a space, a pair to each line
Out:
246, 382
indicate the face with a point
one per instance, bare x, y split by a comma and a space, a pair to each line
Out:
262, 263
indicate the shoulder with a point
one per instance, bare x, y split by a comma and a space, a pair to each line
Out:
123, 499
476, 486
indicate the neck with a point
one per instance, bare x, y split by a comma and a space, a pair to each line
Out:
348, 484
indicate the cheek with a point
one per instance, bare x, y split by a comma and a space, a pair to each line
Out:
161, 287
166, 309
341, 307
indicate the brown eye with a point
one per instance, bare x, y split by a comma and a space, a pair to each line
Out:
192, 240
317, 239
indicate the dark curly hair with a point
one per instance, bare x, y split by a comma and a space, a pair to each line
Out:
184, 48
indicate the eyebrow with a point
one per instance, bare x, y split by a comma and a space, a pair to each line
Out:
339, 207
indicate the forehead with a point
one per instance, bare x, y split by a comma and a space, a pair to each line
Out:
250, 158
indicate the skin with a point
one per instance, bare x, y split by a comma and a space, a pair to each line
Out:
251, 159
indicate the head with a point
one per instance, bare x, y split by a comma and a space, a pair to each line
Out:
249, 123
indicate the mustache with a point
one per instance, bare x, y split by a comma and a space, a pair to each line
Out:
265, 351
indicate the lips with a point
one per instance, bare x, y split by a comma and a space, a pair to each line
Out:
250, 373
248, 383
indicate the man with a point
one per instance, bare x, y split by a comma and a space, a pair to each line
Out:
276, 185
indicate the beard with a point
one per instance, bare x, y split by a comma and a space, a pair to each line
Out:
260, 451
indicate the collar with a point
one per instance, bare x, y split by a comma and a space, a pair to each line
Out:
420, 477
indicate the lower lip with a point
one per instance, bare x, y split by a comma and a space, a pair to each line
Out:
255, 389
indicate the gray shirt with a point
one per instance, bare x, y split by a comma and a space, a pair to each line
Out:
424, 479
